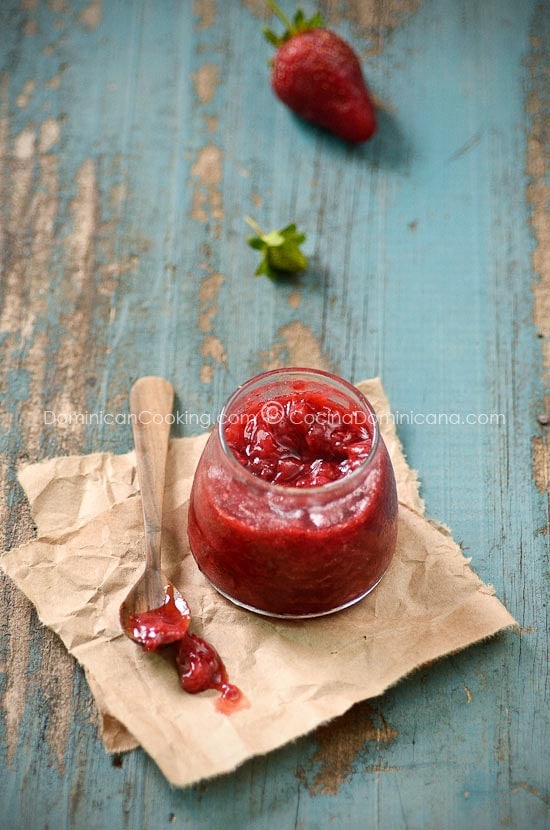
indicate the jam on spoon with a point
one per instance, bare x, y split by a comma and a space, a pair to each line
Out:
159, 626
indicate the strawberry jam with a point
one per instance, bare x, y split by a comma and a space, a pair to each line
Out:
293, 510
300, 440
160, 626
199, 665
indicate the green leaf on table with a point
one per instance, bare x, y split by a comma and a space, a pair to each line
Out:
280, 250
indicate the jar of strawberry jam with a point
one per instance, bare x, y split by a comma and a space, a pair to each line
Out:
293, 509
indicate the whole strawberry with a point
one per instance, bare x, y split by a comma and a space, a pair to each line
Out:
318, 75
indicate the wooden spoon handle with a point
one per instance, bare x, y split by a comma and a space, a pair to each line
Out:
151, 403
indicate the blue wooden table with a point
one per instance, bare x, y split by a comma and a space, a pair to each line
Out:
134, 137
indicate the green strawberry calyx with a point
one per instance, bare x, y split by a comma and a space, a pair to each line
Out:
300, 23
280, 250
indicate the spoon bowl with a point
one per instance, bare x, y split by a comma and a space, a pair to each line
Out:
154, 612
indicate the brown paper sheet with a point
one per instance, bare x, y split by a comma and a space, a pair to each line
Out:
296, 675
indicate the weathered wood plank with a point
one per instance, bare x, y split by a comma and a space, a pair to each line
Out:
133, 139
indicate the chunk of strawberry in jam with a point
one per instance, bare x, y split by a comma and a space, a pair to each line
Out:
289, 469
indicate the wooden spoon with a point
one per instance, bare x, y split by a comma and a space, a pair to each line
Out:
154, 613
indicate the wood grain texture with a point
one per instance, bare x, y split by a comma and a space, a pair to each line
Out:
134, 137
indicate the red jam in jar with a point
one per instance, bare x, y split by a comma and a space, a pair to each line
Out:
293, 510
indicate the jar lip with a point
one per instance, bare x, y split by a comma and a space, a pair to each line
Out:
268, 486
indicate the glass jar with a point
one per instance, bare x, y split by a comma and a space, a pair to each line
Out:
271, 532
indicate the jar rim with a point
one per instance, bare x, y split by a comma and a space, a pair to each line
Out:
331, 486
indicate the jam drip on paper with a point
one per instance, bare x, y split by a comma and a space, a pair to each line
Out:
199, 665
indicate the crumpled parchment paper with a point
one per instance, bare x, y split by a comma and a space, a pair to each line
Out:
296, 675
